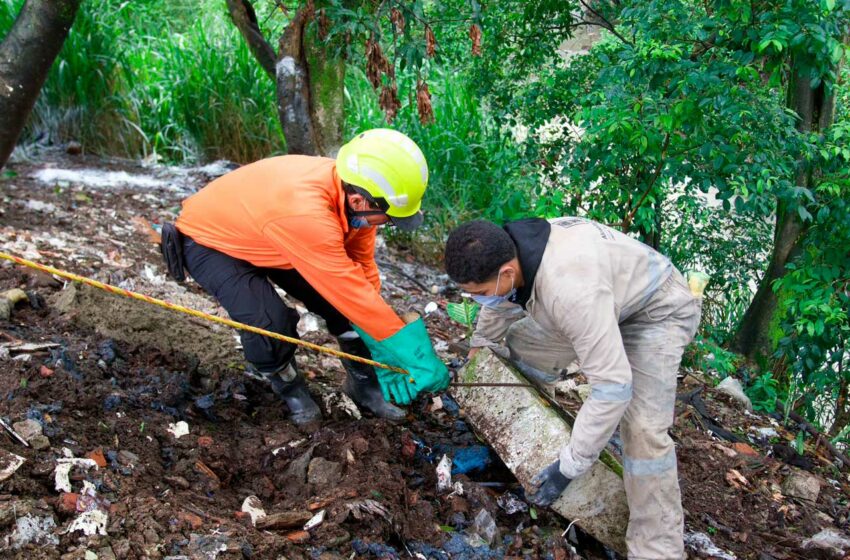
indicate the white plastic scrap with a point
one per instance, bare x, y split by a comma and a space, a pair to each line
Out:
63, 470
444, 474
315, 521
290, 445
97, 178
342, 402
178, 429
12, 463
90, 523
33, 530
431, 307
254, 508
701, 544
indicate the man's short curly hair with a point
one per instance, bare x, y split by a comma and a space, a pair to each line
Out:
475, 251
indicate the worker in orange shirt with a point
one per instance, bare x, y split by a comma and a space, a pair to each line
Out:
308, 225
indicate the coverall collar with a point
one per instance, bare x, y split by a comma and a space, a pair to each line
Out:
530, 237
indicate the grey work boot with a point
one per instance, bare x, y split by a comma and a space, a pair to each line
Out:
361, 382
290, 387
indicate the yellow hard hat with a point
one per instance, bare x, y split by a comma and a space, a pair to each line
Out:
388, 165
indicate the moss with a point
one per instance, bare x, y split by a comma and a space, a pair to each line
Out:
609, 461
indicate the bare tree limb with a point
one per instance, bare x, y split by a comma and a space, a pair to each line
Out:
245, 19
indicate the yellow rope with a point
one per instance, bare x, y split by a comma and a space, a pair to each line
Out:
195, 313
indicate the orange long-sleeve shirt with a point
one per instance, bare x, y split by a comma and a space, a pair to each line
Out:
289, 212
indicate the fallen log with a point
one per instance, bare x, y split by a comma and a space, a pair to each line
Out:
527, 433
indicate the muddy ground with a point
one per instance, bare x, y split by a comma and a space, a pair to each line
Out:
118, 375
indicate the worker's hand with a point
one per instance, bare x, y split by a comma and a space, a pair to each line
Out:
547, 485
416, 355
409, 349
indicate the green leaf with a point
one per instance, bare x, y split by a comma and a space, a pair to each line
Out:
533, 513
464, 313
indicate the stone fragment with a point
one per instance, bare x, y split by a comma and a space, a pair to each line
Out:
801, 485
323, 473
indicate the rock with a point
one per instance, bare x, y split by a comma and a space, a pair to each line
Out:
106, 553
285, 520
801, 485
297, 469
177, 481
732, 387
15, 296
830, 541
40, 443
10, 511
324, 473
28, 429
127, 458
527, 433
5, 309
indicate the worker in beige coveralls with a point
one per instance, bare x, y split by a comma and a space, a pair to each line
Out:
572, 290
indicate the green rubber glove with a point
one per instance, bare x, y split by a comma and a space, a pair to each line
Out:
393, 384
410, 349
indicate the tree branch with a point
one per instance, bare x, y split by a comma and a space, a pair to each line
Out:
656, 173
605, 22
245, 19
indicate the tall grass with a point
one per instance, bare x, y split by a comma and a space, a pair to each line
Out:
142, 78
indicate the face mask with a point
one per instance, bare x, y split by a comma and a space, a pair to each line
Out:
496, 300
358, 222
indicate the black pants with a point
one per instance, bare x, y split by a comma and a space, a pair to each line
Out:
245, 291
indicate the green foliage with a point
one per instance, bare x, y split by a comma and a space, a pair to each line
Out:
142, 78
763, 392
706, 355
474, 167
464, 313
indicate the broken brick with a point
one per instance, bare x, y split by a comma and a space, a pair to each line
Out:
745, 449
205, 441
67, 502
190, 519
97, 456
298, 537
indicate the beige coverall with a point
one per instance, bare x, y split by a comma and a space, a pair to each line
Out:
625, 314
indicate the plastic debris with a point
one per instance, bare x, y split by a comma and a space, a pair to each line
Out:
30, 529
315, 521
831, 541
204, 547
702, 545
254, 508
63, 470
733, 388
511, 503
444, 474
90, 523
431, 307
343, 402
9, 463
483, 529
470, 459
178, 429
358, 508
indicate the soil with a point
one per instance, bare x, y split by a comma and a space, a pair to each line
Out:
122, 373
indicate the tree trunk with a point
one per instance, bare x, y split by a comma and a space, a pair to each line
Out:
26, 55
815, 110
309, 82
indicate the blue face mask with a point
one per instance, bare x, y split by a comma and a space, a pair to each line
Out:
496, 300
358, 222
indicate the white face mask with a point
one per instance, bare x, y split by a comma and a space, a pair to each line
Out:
496, 300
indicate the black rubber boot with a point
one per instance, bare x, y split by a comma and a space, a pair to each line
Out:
361, 383
290, 387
